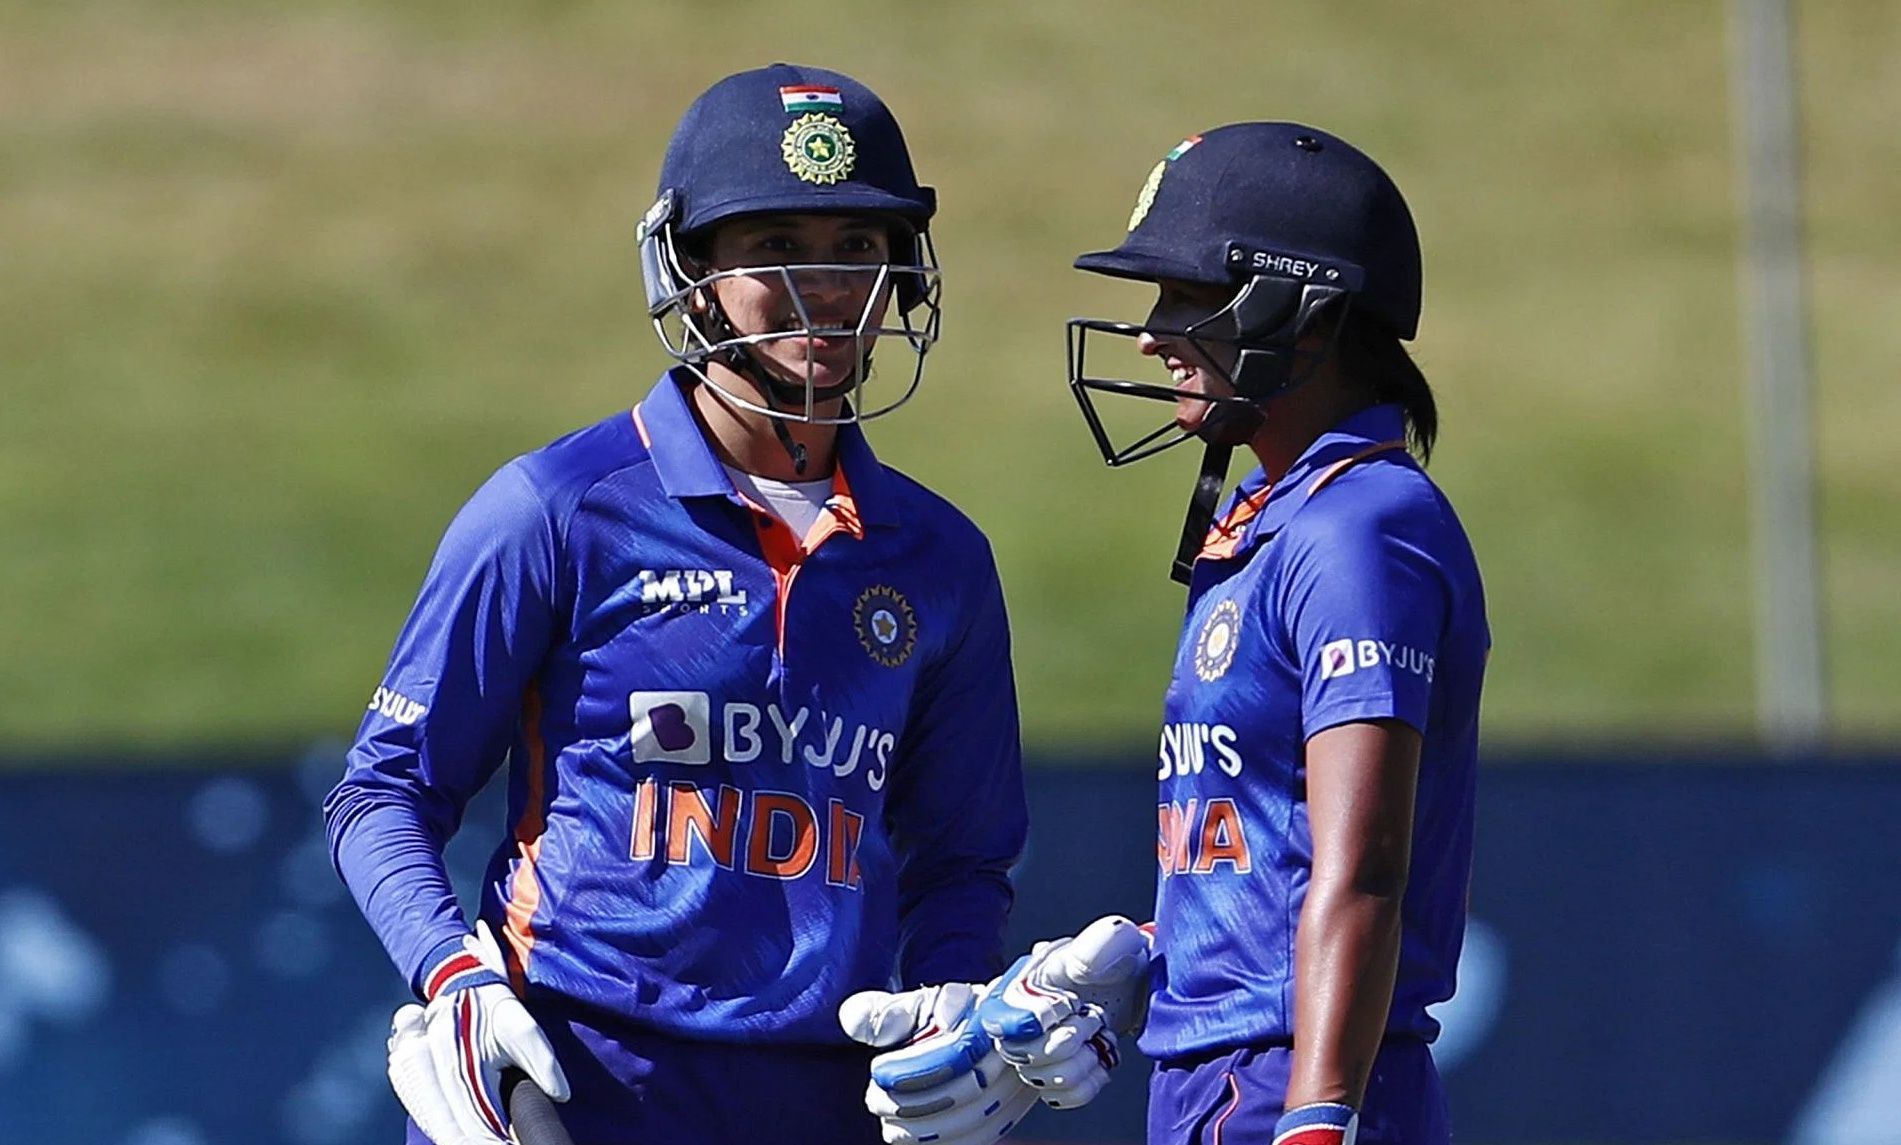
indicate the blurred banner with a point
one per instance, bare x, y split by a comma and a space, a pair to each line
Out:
1691, 951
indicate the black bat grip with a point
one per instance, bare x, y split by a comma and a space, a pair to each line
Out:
531, 1112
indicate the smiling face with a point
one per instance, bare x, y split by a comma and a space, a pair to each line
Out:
837, 299
1196, 367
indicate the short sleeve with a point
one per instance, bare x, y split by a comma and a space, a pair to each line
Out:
1363, 609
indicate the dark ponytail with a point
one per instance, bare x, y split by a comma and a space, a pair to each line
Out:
1371, 357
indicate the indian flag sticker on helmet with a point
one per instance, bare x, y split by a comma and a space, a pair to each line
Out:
1146, 197
802, 98
818, 149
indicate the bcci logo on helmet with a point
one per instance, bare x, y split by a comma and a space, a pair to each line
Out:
818, 149
886, 625
1146, 198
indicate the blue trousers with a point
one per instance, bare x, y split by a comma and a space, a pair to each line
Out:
1233, 1097
636, 1087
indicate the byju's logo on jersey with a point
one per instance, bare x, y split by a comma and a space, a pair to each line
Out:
1187, 748
396, 706
689, 586
1336, 659
1214, 648
678, 727
886, 625
670, 727
1344, 657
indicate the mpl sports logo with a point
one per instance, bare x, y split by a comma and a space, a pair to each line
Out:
698, 587
1345, 657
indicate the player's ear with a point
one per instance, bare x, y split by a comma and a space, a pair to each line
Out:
697, 263
701, 298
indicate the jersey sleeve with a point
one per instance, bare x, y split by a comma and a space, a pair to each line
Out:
1363, 611
442, 720
956, 810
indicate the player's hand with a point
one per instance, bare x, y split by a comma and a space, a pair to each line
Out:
1060, 1009
940, 1079
1322, 1123
446, 1059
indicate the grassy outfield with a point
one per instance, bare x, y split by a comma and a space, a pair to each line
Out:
281, 283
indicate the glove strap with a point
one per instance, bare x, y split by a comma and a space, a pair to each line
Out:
1322, 1123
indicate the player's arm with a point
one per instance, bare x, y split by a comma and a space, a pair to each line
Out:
1360, 783
955, 812
1363, 605
440, 726
956, 808
443, 720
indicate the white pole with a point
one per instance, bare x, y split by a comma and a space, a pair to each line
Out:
1791, 707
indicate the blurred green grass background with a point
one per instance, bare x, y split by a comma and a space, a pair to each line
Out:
283, 282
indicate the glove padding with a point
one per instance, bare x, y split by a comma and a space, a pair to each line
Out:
1061, 1007
1321, 1123
446, 1059
944, 1082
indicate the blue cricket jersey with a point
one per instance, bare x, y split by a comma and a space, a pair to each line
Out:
751, 773
1345, 592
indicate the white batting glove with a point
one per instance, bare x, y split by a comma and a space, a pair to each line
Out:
1060, 1009
943, 1082
446, 1059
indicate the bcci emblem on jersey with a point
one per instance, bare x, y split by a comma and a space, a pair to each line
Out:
886, 625
670, 727
1214, 648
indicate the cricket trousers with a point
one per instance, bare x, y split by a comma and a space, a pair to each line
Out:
1233, 1097
637, 1087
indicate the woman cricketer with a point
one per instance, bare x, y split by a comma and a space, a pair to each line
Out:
1320, 733
753, 686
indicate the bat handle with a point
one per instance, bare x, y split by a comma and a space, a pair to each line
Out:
531, 1113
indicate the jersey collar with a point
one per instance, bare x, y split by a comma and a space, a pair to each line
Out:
1258, 510
688, 467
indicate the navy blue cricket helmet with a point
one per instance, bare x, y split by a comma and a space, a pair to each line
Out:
734, 153
1281, 198
785, 139
1303, 228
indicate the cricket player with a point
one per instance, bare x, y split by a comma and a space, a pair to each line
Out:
753, 687
1319, 747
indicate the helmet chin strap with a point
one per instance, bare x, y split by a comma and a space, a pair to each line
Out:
746, 366
1201, 509
741, 361
1226, 425
793, 449
1276, 312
